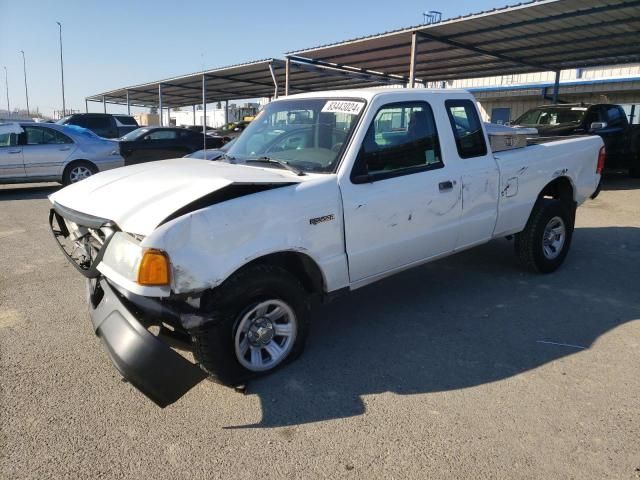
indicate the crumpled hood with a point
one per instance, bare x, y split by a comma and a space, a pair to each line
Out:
139, 197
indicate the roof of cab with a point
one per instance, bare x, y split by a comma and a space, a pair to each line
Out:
370, 93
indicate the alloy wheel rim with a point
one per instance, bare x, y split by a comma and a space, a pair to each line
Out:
553, 238
265, 335
79, 173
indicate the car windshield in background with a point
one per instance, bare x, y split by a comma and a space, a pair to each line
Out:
63, 120
552, 116
125, 120
308, 134
211, 154
81, 131
133, 135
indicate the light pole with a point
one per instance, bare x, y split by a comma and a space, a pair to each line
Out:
6, 83
26, 90
64, 109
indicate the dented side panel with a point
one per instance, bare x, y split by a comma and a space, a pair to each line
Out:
208, 245
525, 172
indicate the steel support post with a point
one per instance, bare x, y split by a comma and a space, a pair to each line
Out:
412, 65
160, 103
287, 70
556, 87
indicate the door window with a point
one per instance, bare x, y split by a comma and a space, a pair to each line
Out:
616, 117
8, 139
402, 139
45, 136
100, 125
467, 128
161, 135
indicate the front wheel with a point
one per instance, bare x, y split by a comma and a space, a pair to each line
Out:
259, 319
545, 241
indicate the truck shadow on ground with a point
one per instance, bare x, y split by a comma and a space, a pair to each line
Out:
464, 321
40, 191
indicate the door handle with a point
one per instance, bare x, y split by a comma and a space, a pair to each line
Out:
446, 186
15, 151
64, 149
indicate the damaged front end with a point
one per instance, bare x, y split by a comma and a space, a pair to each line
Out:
137, 331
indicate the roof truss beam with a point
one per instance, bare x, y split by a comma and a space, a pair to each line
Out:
481, 51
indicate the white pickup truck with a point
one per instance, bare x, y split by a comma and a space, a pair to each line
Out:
323, 193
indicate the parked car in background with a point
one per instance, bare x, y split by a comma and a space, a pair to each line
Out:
212, 154
102, 124
622, 140
232, 129
147, 144
47, 152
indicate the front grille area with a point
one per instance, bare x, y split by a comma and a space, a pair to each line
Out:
83, 244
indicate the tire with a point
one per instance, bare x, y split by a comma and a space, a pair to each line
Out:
76, 171
239, 323
537, 248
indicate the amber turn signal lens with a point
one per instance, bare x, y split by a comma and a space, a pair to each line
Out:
154, 268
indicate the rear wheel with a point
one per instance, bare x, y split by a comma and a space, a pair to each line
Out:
545, 241
77, 171
259, 319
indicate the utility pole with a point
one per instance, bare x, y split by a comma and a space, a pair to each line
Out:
26, 90
62, 70
6, 83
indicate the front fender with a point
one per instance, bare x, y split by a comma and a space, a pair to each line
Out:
206, 246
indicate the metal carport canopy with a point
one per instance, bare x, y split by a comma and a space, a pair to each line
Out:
544, 35
243, 81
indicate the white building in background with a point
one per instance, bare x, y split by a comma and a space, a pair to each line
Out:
506, 97
215, 114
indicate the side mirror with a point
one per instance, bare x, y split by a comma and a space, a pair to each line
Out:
360, 179
598, 125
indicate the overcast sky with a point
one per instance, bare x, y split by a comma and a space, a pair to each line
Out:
112, 44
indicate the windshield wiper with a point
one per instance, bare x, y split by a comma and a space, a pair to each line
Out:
282, 163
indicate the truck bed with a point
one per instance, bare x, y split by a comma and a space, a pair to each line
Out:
525, 171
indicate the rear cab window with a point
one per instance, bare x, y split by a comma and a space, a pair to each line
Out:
467, 128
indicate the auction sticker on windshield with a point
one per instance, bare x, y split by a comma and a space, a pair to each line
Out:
343, 106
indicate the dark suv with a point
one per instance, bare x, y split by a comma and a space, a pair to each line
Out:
102, 124
621, 140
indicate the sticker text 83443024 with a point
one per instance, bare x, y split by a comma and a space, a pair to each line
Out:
343, 106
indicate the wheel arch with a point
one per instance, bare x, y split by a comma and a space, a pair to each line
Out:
303, 266
560, 188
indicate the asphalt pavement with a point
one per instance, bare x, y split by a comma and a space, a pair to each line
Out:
464, 368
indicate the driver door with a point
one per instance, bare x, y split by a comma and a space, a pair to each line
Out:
402, 203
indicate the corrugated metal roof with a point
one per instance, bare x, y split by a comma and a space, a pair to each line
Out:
236, 82
544, 35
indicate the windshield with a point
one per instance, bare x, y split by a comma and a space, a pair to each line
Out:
134, 134
308, 134
552, 116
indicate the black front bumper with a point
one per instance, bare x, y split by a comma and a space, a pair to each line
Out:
145, 361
